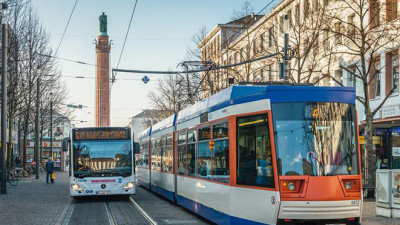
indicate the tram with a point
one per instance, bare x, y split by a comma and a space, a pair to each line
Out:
101, 161
270, 154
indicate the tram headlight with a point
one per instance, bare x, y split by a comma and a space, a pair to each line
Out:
129, 185
291, 186
347, 185
76, 187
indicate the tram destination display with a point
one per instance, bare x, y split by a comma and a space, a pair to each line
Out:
101, 134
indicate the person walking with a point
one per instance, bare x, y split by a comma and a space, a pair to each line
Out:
49, 170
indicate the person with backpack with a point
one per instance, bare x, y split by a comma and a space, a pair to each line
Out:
49, 170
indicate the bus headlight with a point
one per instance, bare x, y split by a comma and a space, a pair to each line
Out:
129, 185
76, 187
347, 185
291, 186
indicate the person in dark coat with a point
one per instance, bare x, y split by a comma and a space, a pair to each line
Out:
49, 169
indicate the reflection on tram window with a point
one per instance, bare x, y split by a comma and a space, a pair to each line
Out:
153, 155
144, 156
254, 154
158, 155
315, 139
167, 156
221, 161
220, 130
182, 153
191, 153
204, 160
204, 133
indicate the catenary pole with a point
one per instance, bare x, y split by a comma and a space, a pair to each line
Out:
4, 41
51, 125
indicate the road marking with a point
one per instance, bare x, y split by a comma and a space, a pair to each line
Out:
110, 216
148, 218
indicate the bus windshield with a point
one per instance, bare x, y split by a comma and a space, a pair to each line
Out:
95, 158
315, 139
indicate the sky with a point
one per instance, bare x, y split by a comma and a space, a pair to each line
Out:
159, 36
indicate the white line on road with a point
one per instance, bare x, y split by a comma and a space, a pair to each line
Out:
110, 216
66, 214
148, 218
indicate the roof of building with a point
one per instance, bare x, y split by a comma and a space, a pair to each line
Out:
148, 113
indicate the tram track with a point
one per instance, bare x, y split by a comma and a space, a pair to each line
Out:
141, 210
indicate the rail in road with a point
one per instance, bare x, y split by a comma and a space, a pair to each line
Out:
142, 208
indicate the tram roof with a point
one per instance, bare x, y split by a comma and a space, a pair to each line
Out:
144, 133
164, 124
238, 94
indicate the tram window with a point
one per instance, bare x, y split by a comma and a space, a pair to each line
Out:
191, 153
153, 155
254, 154
158, 155
162, 149
204, 160
167, 155
220, 130
220, 152
204, 133
182, 153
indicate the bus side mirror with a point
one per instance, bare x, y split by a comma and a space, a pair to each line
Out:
65, 144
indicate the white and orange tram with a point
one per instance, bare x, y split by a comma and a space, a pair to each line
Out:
269, 154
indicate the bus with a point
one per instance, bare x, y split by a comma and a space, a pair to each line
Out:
101, 161
267, 154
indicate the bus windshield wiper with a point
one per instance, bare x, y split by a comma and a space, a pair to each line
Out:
82, 175
341, 163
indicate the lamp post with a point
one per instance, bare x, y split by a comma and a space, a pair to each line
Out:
51, 124
37, 123
4, 27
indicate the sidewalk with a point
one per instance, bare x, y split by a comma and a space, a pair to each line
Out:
370, 218
34, 202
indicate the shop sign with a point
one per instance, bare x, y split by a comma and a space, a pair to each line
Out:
390, 111
376, 140
396, 151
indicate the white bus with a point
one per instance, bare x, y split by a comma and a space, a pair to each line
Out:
101, 161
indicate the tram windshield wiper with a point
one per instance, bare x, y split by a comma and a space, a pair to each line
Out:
341, 163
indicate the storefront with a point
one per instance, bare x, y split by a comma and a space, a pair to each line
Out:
59, 156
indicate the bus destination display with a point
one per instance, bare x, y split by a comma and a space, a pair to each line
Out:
97, 134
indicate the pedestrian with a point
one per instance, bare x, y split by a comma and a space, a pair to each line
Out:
49, 170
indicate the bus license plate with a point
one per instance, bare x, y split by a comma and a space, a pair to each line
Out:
103, 192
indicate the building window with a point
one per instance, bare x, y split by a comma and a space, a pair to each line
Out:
254, 154
391, 10
338, 77
306, 8
352, 76
220, 153
297, 13
327, 44
271, 36
182, 153
281, 23
289, 13
270, 74
351, 29
374, 13
316, 45
338, 34
262, 42
395, 73
377, 80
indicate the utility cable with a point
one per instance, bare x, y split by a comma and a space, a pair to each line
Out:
123, 46
65, 30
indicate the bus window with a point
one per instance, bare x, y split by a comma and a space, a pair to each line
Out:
254, 154
220, 165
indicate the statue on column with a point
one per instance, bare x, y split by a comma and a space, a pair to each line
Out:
103, 24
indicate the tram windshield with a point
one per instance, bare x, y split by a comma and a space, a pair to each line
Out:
95, 158
315, 139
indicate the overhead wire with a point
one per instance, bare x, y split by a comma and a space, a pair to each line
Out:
65, 30
123, 46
